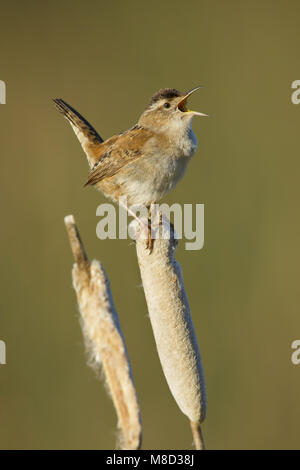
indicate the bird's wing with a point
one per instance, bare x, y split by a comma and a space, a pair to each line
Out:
90, 140
126, 148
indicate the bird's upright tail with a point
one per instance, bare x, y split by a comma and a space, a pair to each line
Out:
86, 134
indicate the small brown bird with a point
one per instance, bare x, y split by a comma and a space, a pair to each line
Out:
146, 162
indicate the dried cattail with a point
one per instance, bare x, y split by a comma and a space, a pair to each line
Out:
104, 339
172, 325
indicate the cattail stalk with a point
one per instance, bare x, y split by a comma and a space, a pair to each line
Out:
172, 325
104, 339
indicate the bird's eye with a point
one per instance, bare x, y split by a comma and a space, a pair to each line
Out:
167, 105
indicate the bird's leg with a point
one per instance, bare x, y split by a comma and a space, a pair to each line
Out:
132, 213
150, 240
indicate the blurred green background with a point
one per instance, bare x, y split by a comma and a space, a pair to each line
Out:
106, 59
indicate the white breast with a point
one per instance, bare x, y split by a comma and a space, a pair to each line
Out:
157, 172
152, 177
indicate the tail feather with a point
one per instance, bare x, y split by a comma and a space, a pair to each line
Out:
86, 134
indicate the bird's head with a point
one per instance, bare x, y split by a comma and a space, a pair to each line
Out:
167, 108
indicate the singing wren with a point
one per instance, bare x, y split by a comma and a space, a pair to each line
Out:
145, 162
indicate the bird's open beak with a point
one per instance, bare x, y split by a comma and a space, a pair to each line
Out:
182, 104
